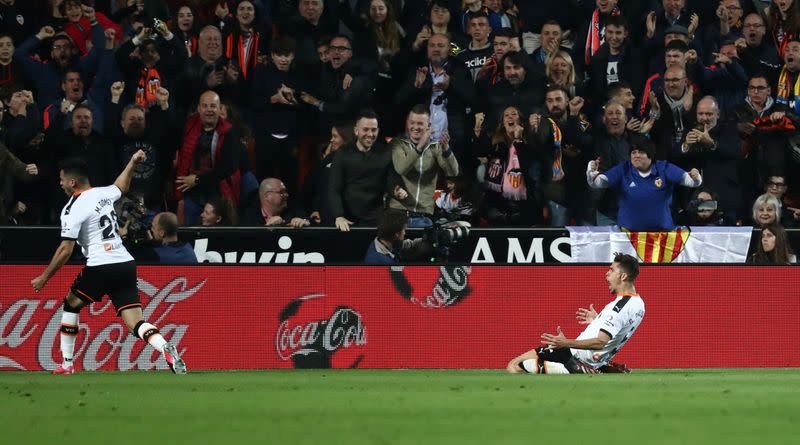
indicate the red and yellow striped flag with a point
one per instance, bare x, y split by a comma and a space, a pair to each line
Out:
658, 247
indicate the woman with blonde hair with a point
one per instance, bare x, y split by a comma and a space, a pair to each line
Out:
560, 71
766, 210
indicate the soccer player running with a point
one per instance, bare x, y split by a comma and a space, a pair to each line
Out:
90, 220
605, 334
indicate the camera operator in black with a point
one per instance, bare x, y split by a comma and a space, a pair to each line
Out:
390, 246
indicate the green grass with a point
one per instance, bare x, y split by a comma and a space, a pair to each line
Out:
409, 407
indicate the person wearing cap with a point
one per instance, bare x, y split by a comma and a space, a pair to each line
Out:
656, 48
644, 187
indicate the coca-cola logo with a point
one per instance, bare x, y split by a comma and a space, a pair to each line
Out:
310, 340
450, 288
95, 348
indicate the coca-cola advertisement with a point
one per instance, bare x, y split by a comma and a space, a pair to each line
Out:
257, 317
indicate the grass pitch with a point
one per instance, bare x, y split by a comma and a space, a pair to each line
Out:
408, 407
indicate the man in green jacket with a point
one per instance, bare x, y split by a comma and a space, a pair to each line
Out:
418, 160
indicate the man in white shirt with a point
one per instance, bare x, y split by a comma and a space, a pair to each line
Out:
90, 220
604, 336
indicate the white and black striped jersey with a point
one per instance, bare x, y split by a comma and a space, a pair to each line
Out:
619, 319
89, 218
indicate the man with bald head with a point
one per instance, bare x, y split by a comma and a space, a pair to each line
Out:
168, 249
208, 160
207, 69
672, 109
270, 208
714, 147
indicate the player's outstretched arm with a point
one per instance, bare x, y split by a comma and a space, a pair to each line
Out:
63, 252
123, 181
560, 341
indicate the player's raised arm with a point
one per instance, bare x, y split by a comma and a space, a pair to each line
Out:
63, 252
123, 181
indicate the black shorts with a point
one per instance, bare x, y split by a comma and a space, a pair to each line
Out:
117, 280
565, 357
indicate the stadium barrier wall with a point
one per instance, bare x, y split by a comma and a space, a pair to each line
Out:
249, 317
259, 245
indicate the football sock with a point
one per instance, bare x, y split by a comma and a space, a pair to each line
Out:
69, 331
151, 335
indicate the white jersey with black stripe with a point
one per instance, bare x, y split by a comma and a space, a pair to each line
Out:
89, 218
619, 319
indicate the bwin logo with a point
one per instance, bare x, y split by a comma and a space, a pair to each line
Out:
284, 243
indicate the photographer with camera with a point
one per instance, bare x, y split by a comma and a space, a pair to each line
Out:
392, 247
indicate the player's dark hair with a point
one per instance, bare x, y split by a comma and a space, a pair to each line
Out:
628, 264
76, 168
391, 223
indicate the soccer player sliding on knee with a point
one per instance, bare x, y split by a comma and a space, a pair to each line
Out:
604, 336
90, 220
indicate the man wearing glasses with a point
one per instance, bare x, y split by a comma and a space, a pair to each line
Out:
755, 52
777, 186
765, 125
342, 89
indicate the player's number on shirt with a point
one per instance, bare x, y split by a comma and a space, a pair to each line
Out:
109, 225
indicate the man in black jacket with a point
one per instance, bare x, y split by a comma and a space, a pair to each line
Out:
714, 146
131, 129
361, 174
756, 53
444, 84
617, 60
336, 97
520, 87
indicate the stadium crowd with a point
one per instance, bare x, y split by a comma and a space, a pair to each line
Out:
508, 113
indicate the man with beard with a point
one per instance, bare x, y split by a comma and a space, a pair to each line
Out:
47, 75
149, 64
520, 88
60, 111
361, 174
714, 146
131, 129
756, 53
336, 98
563, 142
445, 85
